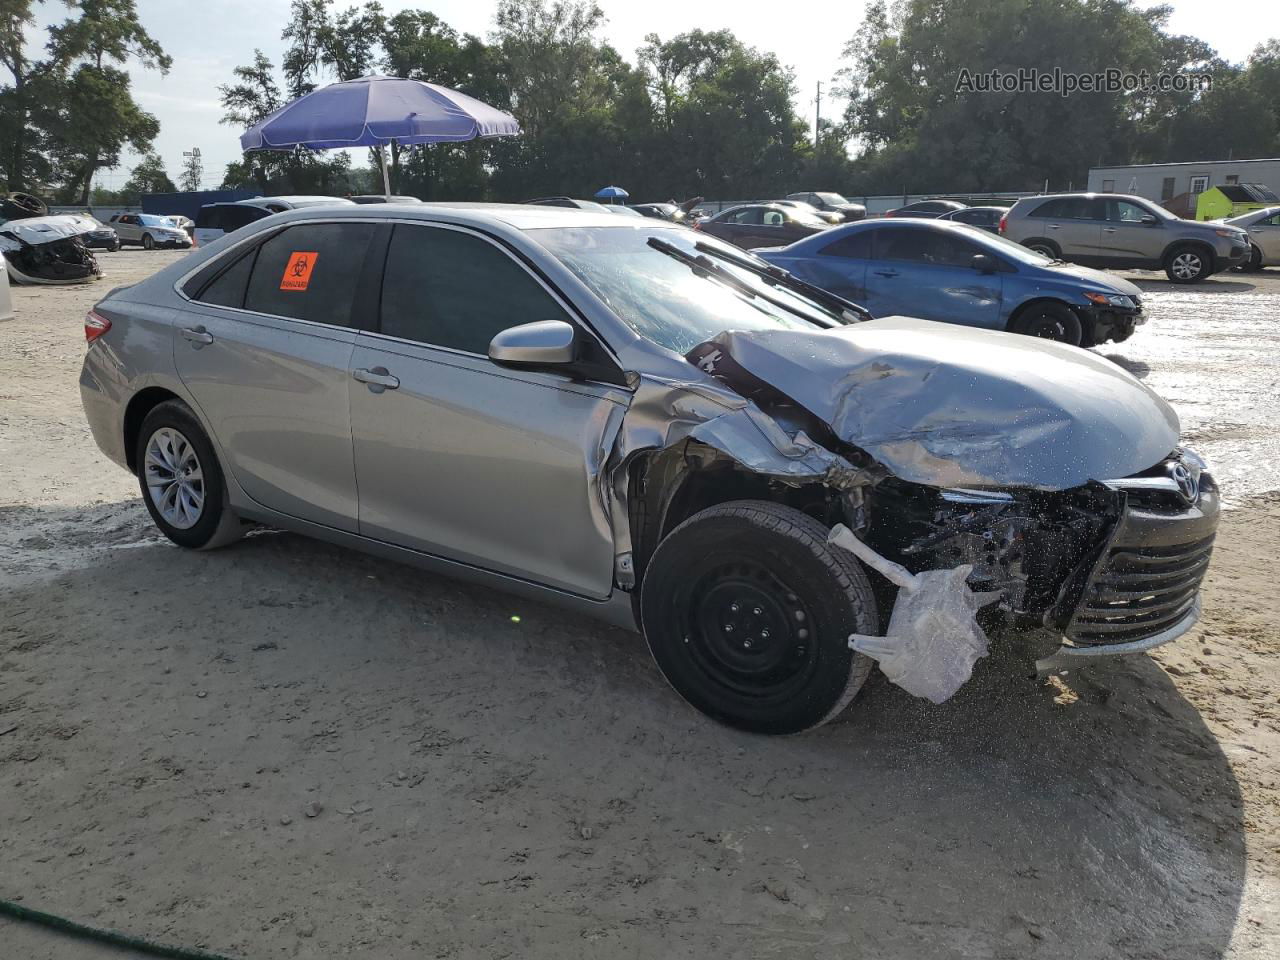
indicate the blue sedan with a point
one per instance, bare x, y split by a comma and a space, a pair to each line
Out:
953, 273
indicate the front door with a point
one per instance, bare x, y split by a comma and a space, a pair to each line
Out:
1125, 238
265, 352
920, 271
462, 458
1265, 234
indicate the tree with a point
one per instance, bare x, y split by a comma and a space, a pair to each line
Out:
192, 171
148, 176
98, 115
24, 101
251, 98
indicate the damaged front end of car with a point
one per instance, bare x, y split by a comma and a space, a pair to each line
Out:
1047, 482
49, 250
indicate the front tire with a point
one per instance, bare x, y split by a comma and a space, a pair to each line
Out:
148, 242
1254, 263
747, 611
1188, 265
181, 481
1050, 321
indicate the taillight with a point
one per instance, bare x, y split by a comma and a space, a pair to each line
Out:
1004, 221
95, 325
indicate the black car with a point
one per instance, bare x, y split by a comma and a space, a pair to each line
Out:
762, 225
984, 218
661, 211
927, 208
829, 202
103, 238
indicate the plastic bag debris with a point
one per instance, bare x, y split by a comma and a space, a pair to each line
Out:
933, 639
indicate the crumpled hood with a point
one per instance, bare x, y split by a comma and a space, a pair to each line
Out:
38, 230
953, 406
1108, 281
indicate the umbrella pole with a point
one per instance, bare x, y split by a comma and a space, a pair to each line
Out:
386, 179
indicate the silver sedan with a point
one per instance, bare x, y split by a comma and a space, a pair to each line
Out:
654, 427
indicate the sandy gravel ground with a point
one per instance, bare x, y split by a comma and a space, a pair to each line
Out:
170, 721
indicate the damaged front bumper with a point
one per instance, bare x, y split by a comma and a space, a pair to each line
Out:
1069, 656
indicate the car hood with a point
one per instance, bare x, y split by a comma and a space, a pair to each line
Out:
1108, 281
38, 230
951, 406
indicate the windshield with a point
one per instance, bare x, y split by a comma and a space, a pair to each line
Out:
149, 220
665, 300
832, 198
1245, 219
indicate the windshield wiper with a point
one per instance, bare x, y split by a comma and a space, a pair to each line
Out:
703, 265
845, 309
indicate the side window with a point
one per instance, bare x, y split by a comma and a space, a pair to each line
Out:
1124, 211
451, 289
1270, 221
309, 272
233, 218
853, 246
901, 244
228, 288
749, 215
774, 218
1051, 209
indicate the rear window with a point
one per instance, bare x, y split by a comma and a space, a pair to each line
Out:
309, 272
1066, 208
209, 218
852, 246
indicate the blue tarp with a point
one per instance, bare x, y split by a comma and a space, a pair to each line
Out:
189, 204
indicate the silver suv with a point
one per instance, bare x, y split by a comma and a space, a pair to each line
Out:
1114, 230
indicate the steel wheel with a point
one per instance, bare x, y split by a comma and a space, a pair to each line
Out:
748, 631
174, 478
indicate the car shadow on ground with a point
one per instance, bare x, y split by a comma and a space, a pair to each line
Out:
494, 774
1139, 368
1218, 283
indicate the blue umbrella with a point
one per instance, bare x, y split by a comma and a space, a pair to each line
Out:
611, 193
373, 112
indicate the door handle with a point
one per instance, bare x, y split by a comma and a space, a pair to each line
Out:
886, 273
1108, 229
378, 378
197, 335
1054, 226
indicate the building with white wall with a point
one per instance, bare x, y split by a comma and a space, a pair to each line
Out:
1162, 182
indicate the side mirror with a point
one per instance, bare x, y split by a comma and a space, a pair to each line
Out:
1149, 220
983, 263
547, 343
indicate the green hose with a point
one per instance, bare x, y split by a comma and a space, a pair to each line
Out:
137, 944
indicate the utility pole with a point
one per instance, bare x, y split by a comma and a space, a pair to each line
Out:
817, 118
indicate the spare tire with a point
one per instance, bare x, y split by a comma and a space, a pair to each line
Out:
20, 206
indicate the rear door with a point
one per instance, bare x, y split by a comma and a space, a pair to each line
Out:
925, 272
128, 228
264, 350
840, 266
462, 458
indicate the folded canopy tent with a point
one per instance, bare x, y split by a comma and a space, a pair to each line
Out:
373, 112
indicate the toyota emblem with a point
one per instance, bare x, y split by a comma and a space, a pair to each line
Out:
1188, 483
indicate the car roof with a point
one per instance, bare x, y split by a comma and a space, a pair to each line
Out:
520, 216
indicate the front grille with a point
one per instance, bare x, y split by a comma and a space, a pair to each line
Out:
1140, 591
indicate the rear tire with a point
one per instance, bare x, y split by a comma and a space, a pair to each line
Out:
148, 242
747, 612
1187, 265
1049, 321
181, 480
1046, 248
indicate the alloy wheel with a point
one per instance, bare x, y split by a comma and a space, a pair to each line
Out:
174, 478
1187, 266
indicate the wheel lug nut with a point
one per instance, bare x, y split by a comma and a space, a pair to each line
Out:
800, 615
728, 628
764, 634
747, 643
757, 611
802, 633
733, 607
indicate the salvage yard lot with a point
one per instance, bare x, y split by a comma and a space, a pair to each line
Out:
491, 786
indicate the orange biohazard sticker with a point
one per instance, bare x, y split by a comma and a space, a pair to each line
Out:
297, 272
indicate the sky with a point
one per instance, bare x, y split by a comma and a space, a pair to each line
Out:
208, 38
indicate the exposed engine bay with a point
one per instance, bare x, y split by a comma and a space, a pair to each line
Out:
937, 466
46, 249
